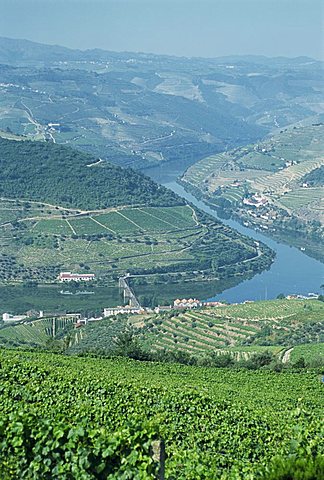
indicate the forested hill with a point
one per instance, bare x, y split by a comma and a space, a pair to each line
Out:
58, 175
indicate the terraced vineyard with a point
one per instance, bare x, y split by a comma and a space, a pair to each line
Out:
303, 197
111, 222
282, 181
41, 240
232, 329
272, 166
101, 419
101, 240
179, 85
197, 333
33, 332
211, 165
238, 330
266, 186
281, 311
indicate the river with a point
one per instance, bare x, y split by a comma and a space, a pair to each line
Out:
292, 272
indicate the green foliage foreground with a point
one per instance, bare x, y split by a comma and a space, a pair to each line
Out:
84, 418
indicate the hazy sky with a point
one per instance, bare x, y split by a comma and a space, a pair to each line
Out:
206, 28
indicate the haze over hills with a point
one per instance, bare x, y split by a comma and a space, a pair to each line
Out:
19, 50
144, 109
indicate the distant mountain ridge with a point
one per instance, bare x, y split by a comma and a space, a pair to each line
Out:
23, 49
142, 109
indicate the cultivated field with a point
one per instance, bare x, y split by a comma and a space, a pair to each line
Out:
40, 240
101, 418
272, 166
275, 169
302, 197
282, 181
231, 329
45, 236
224, 329
209, 166
33, 332
179, 85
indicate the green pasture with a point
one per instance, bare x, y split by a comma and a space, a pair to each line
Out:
149, 220
142, 221
261, 161
128, 221
172, 217
86, 226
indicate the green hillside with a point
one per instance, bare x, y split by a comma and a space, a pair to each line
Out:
270, 323
236, 331
239, 331
275, 185
315, 177
309, 353
100, 419
35, 333
60, 176
62, 210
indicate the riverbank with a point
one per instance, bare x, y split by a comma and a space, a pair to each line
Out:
284, 232
291, 272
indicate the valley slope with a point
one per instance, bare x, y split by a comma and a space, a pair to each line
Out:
143, 109
64, 210
275, 185
288, 329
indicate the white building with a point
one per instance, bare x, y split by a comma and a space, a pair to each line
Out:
186, 303
109, 312
255, 201
76, 277
6, 317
